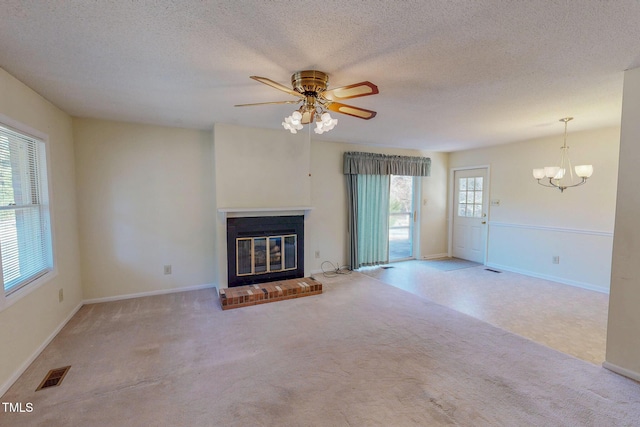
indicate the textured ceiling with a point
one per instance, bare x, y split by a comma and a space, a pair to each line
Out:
452, 74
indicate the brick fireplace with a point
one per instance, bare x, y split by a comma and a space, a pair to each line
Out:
264, 249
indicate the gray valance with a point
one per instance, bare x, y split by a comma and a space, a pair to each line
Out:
358, 163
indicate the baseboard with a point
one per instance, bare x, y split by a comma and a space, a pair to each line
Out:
621, 371
36, 353
436, 256
575, 283
148, 294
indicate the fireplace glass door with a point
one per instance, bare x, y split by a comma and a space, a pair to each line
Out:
261, 255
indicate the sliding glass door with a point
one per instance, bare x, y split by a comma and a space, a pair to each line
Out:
401, 217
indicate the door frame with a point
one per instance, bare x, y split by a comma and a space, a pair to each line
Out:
451, 204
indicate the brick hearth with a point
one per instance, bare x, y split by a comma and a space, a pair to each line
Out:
242, 296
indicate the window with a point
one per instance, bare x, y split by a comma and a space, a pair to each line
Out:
25, 232
470, 197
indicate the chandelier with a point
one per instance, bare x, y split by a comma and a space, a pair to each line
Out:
561, 176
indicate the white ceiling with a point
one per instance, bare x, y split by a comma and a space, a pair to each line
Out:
452, 74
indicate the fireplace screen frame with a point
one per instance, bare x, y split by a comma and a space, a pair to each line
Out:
268, 254
264, 227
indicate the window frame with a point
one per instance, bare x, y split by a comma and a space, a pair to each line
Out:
16, 295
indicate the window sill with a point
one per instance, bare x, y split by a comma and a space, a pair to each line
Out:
8, 301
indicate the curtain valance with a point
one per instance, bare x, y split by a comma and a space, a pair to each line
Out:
359, 163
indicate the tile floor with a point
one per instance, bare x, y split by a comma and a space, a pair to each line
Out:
569, 319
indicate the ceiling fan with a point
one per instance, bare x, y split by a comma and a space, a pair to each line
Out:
310, 87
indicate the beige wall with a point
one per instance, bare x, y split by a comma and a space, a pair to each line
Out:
433, 208
261, 168
533, 223
623, 339
145, 200
29, 323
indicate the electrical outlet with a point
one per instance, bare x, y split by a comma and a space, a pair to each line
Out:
60, 295
167, 269
317, 254
556, 259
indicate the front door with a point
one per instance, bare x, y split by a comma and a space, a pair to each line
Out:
470, 214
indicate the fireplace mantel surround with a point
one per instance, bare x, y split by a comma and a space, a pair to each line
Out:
250, 216
258, 211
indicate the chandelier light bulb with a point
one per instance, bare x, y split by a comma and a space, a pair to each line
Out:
584, 171
551, 171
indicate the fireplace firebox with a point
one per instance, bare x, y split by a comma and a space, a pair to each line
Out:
264, 249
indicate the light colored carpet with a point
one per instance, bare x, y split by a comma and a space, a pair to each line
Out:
362, 354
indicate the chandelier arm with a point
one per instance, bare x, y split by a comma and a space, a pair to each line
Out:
545, 185
584, 181
563, 187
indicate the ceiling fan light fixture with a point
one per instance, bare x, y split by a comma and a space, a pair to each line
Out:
291, 124
325, 123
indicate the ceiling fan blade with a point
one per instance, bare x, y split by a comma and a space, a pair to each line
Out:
350, 110
351, 91
267, 103
277, 85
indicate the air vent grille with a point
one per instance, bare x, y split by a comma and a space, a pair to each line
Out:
53, 378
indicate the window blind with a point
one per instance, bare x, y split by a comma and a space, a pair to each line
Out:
25, 239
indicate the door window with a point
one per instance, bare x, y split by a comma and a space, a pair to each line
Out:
470, 197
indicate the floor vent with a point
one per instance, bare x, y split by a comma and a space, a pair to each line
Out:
53, 378
492, 270
386, 267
